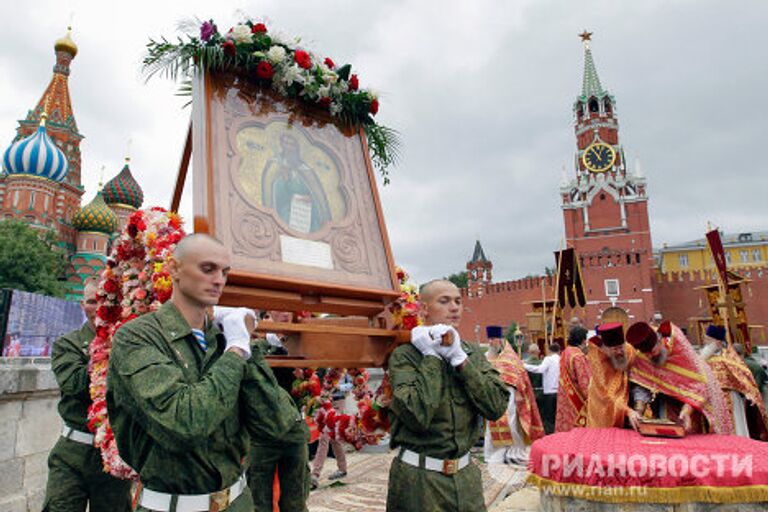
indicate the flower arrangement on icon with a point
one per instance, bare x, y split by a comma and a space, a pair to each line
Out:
370, 422
135, 281
271, 60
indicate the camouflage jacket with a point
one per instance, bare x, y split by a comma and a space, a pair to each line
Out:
175, 409
438, 410
271, 415
69, 362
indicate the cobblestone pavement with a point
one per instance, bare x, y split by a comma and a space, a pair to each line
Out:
365, 487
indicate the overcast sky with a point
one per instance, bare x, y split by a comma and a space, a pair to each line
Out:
481, 93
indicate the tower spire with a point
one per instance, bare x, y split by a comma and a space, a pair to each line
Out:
591, 84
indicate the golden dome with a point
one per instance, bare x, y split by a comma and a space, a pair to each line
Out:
66, 43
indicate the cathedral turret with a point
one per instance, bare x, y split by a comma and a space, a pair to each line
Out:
123, 194
46, 145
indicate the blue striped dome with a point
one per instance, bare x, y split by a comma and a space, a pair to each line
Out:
36, 155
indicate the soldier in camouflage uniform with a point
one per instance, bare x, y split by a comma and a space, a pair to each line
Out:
173, 393
279, 438
440, 395
76, 478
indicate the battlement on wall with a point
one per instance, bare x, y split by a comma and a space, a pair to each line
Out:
522, 284
709, 276
680, 300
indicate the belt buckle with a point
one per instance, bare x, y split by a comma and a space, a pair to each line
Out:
219, 501
450, 466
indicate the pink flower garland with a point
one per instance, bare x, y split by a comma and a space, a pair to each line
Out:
134, 282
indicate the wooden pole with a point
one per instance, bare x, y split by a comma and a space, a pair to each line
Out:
181, 178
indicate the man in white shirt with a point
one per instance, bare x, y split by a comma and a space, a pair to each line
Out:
550, 372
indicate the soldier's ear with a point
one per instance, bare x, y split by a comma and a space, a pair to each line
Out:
173, 269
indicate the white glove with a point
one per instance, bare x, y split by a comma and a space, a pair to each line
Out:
437, 331
421, 339
232, 324
453, 353
274, 340
219, 312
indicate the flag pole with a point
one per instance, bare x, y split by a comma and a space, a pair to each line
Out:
544, 316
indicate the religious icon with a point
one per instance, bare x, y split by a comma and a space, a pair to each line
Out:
292, 193
284, 172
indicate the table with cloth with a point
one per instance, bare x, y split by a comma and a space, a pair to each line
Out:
608, 469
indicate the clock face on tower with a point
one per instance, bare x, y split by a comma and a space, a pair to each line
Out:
598, 157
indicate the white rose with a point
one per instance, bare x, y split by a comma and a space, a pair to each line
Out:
276, 54
242, 34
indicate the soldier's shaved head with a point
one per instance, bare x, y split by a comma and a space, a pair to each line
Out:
428, 290
90, 287
194, 242
441, 303
89, 302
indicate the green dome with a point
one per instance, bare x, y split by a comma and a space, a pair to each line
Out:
123, 189
95, 216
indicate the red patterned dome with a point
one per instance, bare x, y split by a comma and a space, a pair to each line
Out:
123, 189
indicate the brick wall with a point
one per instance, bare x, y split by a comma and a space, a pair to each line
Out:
678, 299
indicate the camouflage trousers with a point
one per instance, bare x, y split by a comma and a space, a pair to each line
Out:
76, 480
413, 489
291, 461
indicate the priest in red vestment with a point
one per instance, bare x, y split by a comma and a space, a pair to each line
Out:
574, 383
608, 396
670, 381
508, 439
742, 397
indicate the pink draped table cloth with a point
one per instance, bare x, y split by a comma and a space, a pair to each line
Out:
621, 466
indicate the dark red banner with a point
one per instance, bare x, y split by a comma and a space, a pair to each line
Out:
718, 254
570, 287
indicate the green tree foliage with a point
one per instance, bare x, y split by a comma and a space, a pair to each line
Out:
509, 335
459, 279
30, 259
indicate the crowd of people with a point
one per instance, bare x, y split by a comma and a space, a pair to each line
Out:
204, 421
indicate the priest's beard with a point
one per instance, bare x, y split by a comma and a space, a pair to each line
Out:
494, 351
619, 362
709, 350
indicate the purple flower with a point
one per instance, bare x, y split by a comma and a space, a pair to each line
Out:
207, 30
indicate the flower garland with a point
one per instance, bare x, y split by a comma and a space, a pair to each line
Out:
135, 281
250, 50
371, 421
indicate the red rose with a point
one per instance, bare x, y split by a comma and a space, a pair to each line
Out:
264, 70
325, 101
374, 108
409, 322
229, 48
259, 28
329, 63
110, 286
303, 59
353, 85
